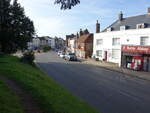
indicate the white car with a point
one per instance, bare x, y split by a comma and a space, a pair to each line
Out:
62, 55
59, 52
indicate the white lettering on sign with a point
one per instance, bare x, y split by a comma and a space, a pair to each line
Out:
142, 49
138, 49
131, 48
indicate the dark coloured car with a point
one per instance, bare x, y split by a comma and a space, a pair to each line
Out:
71, 57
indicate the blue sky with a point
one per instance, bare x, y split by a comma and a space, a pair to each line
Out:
49, 20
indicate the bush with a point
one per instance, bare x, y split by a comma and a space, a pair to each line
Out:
28, 57
46, 48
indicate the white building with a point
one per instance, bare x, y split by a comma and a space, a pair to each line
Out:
38, 42
72, 45
49, 41
52, 43
133, 31
35, 43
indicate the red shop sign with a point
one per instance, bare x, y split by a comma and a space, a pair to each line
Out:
136, 49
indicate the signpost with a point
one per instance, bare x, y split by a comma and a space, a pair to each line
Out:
136, 49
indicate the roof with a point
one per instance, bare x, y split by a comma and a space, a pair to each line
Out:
83, 38
130, 22
70, 36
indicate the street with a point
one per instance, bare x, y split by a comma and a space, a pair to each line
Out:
108, 91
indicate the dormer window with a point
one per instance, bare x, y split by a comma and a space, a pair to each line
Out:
140, 26
109, 29
123, 28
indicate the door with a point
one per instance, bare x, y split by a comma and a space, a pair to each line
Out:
149, 64
105, 54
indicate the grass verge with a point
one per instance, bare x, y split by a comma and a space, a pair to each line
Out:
9, 102
51, 97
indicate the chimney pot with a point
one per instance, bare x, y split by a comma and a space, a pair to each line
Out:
120, 16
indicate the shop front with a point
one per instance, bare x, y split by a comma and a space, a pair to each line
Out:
135, 57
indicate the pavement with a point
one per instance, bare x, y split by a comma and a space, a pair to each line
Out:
114, 67
106, 90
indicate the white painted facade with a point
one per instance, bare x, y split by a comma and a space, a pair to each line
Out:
37, 42
72, 45
124, 37
52, 43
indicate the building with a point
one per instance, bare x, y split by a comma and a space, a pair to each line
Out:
128, 33
34, 44
71, 43
84, 47
135, 57
59, 43
54, 43
45, 41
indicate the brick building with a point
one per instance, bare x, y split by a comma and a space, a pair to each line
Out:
84, 45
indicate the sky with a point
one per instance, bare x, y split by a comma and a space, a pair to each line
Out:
49, 20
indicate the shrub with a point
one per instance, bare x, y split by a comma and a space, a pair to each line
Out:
46, 48
28, 57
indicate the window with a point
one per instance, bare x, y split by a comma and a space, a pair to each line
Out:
116, 41
123, 28
99, 53
109, 29
144, 40
115, 53
99, 42
142, 25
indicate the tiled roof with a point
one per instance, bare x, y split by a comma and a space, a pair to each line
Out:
83, 38
130, 22
70, 36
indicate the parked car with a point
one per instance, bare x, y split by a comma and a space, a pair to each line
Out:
59, 52
71, 57
62, 55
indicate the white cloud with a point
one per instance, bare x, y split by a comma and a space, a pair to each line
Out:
50, 20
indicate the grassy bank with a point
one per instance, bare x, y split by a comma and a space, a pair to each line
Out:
9, 102
51, 97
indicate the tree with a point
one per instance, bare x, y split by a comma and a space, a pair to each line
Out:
5, 21
23, 28
16, 29
67, 4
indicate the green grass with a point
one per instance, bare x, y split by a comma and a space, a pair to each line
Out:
51, 97
9, 102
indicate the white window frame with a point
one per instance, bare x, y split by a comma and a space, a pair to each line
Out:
109, 29
122, 28
140, 26
114, 54
99, 42
117, 41
144, 40
99, 53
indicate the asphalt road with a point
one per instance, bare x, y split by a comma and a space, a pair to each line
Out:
108, 91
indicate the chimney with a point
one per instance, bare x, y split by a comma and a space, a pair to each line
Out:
77, 35
149, 10
81, 32
97, 27
120, 16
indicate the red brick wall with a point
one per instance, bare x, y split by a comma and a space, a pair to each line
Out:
87, 47
148, 9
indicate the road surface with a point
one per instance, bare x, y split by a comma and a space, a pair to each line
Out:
107, 91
